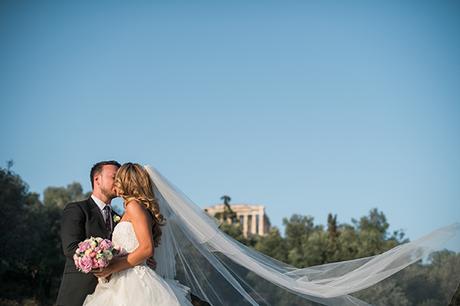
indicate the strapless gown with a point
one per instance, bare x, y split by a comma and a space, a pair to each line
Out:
139, 285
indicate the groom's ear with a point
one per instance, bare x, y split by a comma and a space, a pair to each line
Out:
97, 178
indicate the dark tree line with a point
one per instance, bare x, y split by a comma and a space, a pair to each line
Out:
31, 260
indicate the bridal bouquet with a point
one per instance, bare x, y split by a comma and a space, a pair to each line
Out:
93, 253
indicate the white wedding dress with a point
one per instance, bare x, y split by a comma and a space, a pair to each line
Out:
139, 285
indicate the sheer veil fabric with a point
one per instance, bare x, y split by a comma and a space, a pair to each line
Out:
222, 271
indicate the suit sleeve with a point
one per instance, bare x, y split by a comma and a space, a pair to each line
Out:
72, 228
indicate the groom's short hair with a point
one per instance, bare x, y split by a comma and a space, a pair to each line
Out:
97, 168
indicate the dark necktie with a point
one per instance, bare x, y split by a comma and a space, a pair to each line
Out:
107, 218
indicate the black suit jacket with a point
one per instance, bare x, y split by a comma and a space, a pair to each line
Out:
80, 220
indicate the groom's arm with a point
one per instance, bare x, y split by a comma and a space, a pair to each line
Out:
72, 228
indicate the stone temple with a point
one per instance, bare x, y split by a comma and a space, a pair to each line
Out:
253, 219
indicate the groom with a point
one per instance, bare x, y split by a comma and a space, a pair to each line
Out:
81, 220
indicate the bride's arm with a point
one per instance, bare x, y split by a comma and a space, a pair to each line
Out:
141, 222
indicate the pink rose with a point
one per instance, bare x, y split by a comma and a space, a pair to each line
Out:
86, 264
84, 245
106, 244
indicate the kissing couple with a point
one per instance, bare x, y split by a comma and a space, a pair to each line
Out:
137, 233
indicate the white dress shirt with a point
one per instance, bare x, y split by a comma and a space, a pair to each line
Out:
101, 206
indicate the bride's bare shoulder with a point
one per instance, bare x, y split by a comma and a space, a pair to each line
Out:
134, 208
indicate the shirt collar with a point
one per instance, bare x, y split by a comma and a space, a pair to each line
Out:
98, 202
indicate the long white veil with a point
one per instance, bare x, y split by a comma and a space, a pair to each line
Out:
222, 271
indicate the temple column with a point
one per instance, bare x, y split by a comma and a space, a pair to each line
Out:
261, 221
253, 224
245, 225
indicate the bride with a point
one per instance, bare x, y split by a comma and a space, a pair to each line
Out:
194, 255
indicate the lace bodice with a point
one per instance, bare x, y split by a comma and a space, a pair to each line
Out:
124, 236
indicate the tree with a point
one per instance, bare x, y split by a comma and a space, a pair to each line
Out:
226, 199
13, 195
273, 245
332, 226
228, 215
375, 221
31, 259
60, 196
297, 230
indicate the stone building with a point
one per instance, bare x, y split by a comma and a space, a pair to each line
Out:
252, 217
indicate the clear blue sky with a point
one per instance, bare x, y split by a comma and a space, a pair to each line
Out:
305, 107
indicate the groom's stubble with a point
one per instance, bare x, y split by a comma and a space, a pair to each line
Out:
109, 194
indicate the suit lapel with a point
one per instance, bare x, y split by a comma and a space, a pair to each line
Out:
97, 211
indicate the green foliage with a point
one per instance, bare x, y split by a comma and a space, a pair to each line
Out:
228, 215
31, 259
236, 232
273, 245
60, 196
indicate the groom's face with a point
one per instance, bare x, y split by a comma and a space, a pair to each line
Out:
106, 179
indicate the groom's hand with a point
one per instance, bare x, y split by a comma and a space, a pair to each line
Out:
151, 263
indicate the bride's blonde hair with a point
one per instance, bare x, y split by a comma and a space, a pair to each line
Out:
134, 183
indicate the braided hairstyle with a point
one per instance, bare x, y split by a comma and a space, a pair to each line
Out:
134, 183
